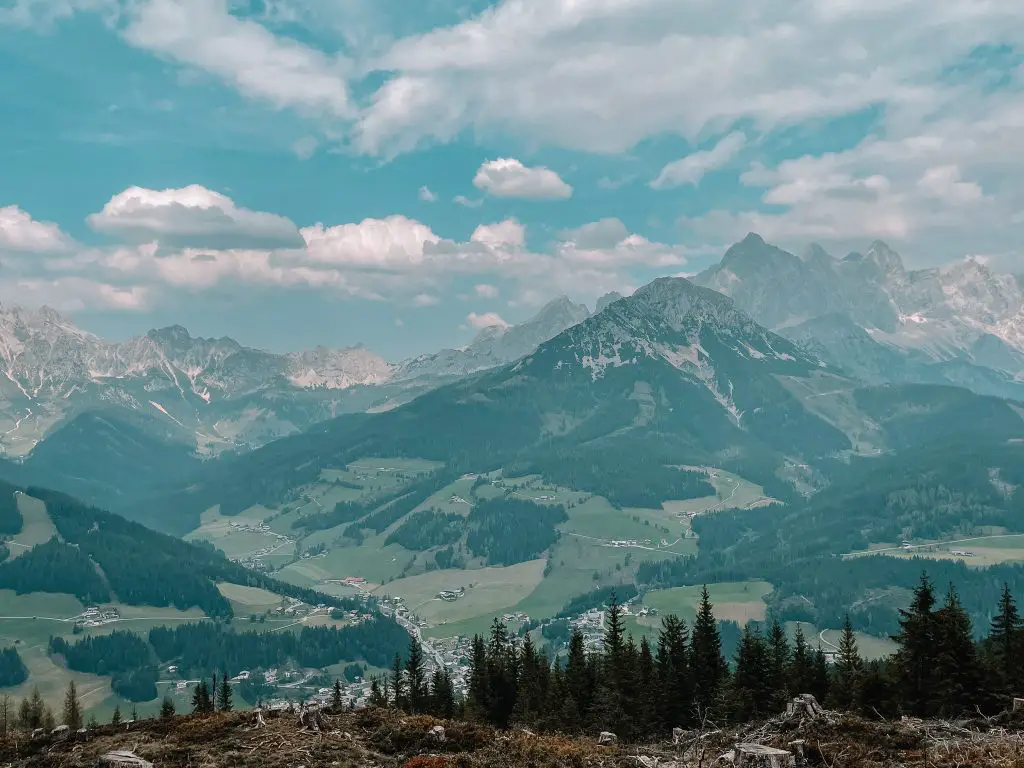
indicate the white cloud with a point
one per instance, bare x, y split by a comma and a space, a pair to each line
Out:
425, 300
191, 216
426, 195
485, 291
305, 147
394, 243
19, 232
485, 320
691, 169
608, 244
244, 54
507, 177
72, 294
603, 76
503, 234
465, 202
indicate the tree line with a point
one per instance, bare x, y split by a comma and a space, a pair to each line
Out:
641, 690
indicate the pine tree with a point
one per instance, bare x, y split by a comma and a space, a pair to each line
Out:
801, 664
707, 663
397, 683
214, 690
501, 676
224, 694
646, 722
674, 689
115, 718
843, 693
477, 703
442, 695
202, 703
750, 687
25, 715
957, 670
72, 715
167, 710
378, 694
416, 679
1006, 638
778, 666
336, 700
579, 682
916, 657
529, 696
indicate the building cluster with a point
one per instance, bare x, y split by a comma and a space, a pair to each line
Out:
97, 616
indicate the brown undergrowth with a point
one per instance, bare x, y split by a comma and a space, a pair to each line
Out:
386, 739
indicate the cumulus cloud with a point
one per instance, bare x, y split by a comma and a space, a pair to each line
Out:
485, 291
691, 169
485, 320
191, 216
426, 195
396, 242
20, 233
507, 177
503, 234
465, 202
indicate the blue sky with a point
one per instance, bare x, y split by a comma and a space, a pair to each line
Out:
301, 172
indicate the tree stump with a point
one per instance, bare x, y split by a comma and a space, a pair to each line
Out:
804, 705
1018, 704
760, 756
436, 734
677, 735
607, 739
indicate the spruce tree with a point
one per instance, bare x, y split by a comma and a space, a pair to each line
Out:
750, 692
167, 710
674, 688
397, 682
416, 679
442, 695
501, 676
1006, 639
202, 703
847, 669
778, 666
707, 663
115, 718
578, 680
916, 657
801, 664
645, 702
957, 669
224, 694
478, 702
336, 699
378, 694
72, 716
529, 696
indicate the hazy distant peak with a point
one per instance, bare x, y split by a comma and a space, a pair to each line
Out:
607, 299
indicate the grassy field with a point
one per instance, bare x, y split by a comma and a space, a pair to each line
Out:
985, 550
37, 528
27, 622
740, 601
489, 591
246, 600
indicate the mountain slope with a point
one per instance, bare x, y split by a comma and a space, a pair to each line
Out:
672, 375
99, 556
496, 345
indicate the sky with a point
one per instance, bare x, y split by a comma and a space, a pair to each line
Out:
301, 172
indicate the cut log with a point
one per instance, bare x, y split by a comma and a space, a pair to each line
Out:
436, 734
122, 758
1018, 704
677, 735
607, 739
760, 756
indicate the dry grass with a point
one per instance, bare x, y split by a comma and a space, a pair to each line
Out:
386, 739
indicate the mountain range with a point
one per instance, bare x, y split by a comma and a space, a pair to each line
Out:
166, 397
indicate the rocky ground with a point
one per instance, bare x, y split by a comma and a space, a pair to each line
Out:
386, 739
